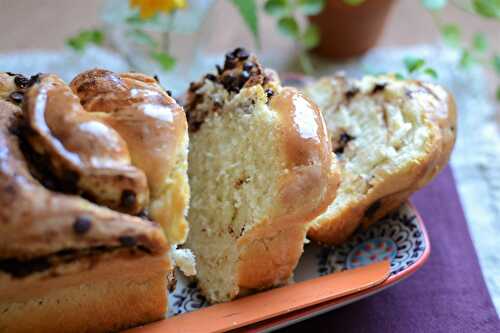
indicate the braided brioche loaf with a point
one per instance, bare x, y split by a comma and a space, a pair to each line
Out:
68, 154
260, 167
391, 138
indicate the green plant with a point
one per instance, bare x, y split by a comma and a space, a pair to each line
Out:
159, 48
416, 65
413, 66
477, 50
472, 52
80, 41
306, 35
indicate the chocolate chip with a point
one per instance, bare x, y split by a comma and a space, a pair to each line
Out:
34, 79
10, 74
342, 142
128, 241
169, 92
219, 69
241, 53
345, 138
230, 61
269, 93
82, 225
247, 66
379, 87
230, 83
157, 79
17, 96
128, 198
21, 81
351, 92
211, 77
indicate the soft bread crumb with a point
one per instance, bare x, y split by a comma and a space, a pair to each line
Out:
385, 136
185, 260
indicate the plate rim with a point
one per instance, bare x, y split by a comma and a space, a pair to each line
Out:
318, 309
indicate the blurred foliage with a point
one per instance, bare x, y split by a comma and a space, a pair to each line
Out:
85, 37
287, 13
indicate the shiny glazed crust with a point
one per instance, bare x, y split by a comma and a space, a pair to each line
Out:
117, 293
155, 129
271, 250
260, 153
66, 264
388, 193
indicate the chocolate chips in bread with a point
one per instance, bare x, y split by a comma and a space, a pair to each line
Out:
68, 263
260, 166
391, 138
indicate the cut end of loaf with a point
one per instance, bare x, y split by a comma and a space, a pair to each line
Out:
249, 162
390, 136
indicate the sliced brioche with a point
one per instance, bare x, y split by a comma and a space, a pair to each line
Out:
260, 166
391, 138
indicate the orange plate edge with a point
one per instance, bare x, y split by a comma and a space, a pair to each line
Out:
279, 307
275, 302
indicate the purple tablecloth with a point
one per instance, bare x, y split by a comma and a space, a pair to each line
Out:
447, 295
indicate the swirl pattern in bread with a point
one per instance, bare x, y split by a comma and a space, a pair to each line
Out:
391, 138
70, 258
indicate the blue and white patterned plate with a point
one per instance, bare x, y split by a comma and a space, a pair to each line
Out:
400, 237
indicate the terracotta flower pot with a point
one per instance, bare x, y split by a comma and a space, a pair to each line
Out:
348, 31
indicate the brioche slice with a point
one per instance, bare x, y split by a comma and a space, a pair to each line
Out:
260, 166
391, 138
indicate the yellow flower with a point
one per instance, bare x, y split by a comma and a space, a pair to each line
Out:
148, 8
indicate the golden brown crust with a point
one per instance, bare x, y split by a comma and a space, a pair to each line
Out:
66, 264
41, 222
313, 175
154, 127
81, 149
270, 251
395, 188
115, 294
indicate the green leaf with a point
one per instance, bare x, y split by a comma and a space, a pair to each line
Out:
431, 72
288, 26
311, 37
451, 34
136, 19
413, 64
311, 7
487, 8
496, 63
248, 11
466, 59
166, 61
143, 38
399, 76
480, 42
434, 5
354, 2
305, 62
276, 7
498, 93
85, 37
